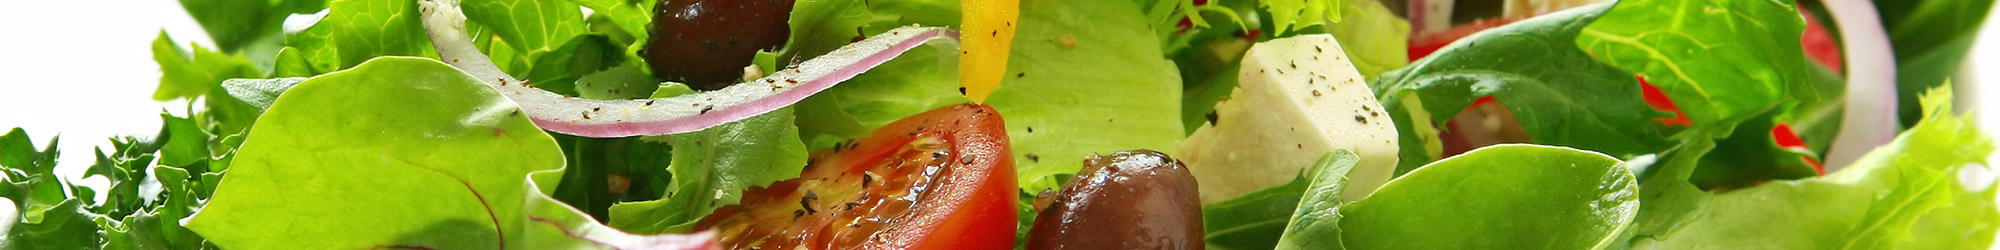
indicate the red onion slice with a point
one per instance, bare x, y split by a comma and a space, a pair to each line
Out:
1870, 116
686, 113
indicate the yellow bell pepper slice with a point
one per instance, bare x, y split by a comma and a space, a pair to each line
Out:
987, 38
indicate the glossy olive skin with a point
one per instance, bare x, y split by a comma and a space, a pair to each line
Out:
1137, 199
706, 43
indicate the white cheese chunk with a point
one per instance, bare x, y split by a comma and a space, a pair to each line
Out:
1297, 98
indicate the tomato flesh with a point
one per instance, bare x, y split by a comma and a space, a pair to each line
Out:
943, 179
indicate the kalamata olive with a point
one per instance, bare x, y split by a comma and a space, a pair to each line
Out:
706, 43
1137, 199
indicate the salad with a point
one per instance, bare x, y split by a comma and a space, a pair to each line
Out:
1039, 124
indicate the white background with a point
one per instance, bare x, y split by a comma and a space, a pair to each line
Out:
84, 70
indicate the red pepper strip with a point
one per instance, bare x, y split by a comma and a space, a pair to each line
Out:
1660, 101
1788, 140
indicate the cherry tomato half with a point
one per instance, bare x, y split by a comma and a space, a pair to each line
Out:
943, 179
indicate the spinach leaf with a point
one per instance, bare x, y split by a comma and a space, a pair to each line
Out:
1481, 199
1930, 39
1560, 95
1255, 220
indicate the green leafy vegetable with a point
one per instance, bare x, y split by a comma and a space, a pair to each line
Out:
1078, 86
1316, 224
631, 16
1374, 38
1577, 199
1560, 95
918, 81
243, 26
531, 26
430, 158
713, 167
360, 30
188, 74
819, 26
56, 214
260, 93
1716, 59
1292, 15
1253, 221
1874, 204
426, 156
1930, 38
560, 70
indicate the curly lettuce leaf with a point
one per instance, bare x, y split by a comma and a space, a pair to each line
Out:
190, 74
1560, 94
1085, 77
1292, 15
48, 212
1874, 204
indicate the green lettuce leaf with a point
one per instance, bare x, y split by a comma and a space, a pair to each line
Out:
532, 26
582, 56
630, 16
891, 14
1373, 36
1874, 204
1560, 95
820, 26
190, 74
1577, 199
56, 214
246, 26
1292, 15
1078, 86
712, 168
1716, 59
313, 47
1968, 223
917, 81
427, 156
431, 158
360, 30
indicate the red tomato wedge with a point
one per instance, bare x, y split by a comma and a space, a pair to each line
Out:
943, 179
